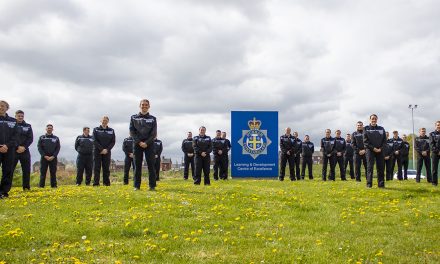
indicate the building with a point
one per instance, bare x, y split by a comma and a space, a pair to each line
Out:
166, 164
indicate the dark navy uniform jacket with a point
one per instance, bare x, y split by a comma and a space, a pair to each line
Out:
104, 138
374, 137
187, 146
25, 136
8, 131
143, 128
127, 146
49, 145
84, 144
307, 149
202, 144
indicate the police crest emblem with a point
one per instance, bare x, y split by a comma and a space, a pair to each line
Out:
254, 141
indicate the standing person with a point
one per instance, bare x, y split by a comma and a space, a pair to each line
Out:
143, 128
217, 150
105, 139
359, 151
84, 162
434, 139
307, 157
49, 147
202, 147
287, 142
8, 144
225, 157
348, 157
388, 157
158, 148
374, 142
127, 147
423, 151
404, 155
25, 137
328, 154
340, 148
297, 149
188, 152
397, 157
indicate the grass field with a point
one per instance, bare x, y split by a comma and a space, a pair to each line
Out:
235, 221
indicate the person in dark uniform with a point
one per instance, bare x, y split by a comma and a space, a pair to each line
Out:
340, 148
225, 157
202, 145
434, 139
188, 152
423, 151
388, 157
374, 142
84, 162
158, 148
397, 157
104, 139
307, 157
217, 150
25, 138
287, 142
143, 128
49, 147
328, 154
127, 147
359, 150
297, 149
404, 155
348, 157
8, 145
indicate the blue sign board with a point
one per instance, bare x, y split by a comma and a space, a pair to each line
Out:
254, 143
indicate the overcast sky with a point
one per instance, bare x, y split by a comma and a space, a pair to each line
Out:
321, 64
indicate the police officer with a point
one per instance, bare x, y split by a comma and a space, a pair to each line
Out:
105, 139
225, 157
328, 154
404, 155
202, 145
388, 157
434, 139
374, 142
84, 161
423, 151
297, 149
340, 148
158, 147
49, 147
397, 157
127, 147
359, 150
25, 137
307, 157
287, 142
143, 128
8, 144
348, 157
217, 149
188, 152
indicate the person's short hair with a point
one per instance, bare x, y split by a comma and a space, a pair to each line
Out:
85, 128
373, 115
306, 136
395, 132
189, 132
6, 103
49, 125
202, 127
144, 100
106, 117
218, 130
19, 112
422, 128
338, 131
404, 135
360, 122
348, 134
328, 129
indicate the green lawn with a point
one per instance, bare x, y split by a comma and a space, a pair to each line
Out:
235, 221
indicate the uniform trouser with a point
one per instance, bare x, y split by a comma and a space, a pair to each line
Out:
405, 163
348, 161
139, 154
358, 160
6, 160
297, 160
52, 169
157, 167
307, 161
435, 159
217, 166
340, 162
202, 164
25, 161
332, 161
373, 157
189, 161
225, 166
104, 162
84, 162
284, 159
420, 160
389, 169
398, 159
128, 163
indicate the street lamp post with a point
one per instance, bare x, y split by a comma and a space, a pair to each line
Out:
412, 107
